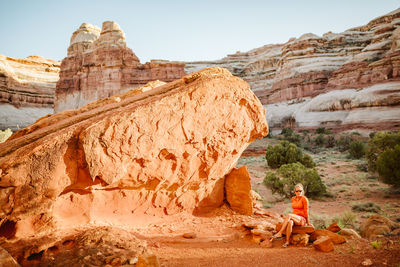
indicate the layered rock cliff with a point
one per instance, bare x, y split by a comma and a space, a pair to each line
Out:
130, 159
100, 65
338, 80
26, 90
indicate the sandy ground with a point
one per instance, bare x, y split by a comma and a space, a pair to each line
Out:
230, 247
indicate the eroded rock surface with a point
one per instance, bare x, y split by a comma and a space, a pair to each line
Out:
26, 90
341, 81
133, 159
100, 65
237, 189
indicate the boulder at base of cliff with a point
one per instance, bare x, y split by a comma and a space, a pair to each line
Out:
133, 160
323, 244
377, 225
238, 191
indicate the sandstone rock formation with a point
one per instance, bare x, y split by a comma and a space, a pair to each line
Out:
339, 80
237, 188
336, 238
129, 160
323, 244
377, 225
99, 65
26, 90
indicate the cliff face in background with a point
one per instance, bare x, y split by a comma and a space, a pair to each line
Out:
340, 80
347, 80
100, 65
26, 90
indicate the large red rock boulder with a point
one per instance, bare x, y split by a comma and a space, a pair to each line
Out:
99, 65
336, 239
130, 160
334, 227
323, 244
237, 190
377, 225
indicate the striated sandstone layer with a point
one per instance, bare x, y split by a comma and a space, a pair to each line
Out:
132, 159
100, 65
315, 81
26, 90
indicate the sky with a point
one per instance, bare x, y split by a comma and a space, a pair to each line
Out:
177, 29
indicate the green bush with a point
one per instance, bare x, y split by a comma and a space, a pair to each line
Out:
322, 130
320, 140
307, 161
289, 175
284, 153
357, 149
343, 143
291, 136
286, 132
388, 166
366, 207
330, 141
378, 144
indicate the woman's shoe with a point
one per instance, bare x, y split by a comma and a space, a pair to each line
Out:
285, 245
276, 236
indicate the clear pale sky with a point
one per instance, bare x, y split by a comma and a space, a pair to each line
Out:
178, 30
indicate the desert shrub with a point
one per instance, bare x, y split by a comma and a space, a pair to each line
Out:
345, 219
284, 153
356, 133
289, 175
291, 136
377, 244
378, 144
388, 166
357, 149
343, 143
372, 134
322, 130
320, 140
307, 161
4, 135
320, 221
362, 167
286, 132
330, 141
366, 207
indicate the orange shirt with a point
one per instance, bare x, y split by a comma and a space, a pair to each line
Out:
300, 206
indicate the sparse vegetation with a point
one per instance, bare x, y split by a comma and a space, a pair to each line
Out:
380, 142
366, 207
289, 175
343, 143
284, 153
346, 219
357, 149
4, 135
322, 130
377, 244
388, 166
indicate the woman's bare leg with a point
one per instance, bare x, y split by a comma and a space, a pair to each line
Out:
289, 231
285, 223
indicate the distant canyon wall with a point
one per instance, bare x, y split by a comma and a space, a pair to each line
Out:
26, 90
100, 65
340, 80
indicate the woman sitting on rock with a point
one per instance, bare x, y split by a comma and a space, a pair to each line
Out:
298, 217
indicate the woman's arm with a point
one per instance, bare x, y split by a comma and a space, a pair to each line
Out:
305, 205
